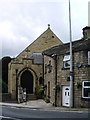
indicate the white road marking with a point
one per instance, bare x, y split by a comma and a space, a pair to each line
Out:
9, 118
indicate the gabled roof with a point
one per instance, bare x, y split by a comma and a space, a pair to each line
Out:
45, 41
79, 45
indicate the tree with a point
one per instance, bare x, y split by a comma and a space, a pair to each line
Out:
5, 61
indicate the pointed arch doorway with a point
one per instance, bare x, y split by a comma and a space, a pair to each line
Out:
27, 81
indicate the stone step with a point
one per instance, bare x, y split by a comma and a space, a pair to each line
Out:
31, 97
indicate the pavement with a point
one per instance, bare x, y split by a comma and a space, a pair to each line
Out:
41, 105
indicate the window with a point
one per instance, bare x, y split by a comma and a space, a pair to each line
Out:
66, 61
49, 66
86, 89
40, 81
88, 57
45, 68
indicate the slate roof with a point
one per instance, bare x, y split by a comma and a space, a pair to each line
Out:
37, 57
79, 45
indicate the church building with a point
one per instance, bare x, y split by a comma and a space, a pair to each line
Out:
26, 70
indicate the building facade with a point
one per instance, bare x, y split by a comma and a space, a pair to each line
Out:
57, 72
25, 71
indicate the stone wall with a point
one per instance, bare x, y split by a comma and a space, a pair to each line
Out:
49, 77
36, 70
81, 73
45, 41
6, 97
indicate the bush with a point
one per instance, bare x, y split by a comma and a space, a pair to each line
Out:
40, 92
57, 87
78, 84
47, 100
5, 61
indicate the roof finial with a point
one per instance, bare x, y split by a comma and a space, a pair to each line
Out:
48, 25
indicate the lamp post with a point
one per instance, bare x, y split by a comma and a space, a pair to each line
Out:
71, 69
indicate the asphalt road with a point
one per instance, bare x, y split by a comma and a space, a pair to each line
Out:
9, 113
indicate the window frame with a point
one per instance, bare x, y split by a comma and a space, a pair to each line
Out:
49, 66
45, 68
83, 87
65, 60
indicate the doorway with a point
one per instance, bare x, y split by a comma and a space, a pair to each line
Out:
27, 81
49, 89
66, 96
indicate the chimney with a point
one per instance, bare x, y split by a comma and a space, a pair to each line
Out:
86, 32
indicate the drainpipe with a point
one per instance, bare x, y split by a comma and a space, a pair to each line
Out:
43, 67
55, 80
55, 58
16, 85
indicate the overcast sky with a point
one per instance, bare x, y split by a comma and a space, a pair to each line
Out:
22, 21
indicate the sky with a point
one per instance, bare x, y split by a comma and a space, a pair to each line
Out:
22, 21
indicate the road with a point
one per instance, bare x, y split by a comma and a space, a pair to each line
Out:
9, 113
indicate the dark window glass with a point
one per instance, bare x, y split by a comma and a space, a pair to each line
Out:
86, 92
66, 89
67, 64
40, 80
86, 83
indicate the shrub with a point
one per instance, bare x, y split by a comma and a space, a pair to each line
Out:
57, 87
78, 84
40, 92
47, 100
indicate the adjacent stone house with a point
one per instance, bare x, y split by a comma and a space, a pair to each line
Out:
25, 71
57, 72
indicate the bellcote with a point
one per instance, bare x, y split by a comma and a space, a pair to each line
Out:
48, 26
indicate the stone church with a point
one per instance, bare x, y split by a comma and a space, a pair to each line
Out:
26, 70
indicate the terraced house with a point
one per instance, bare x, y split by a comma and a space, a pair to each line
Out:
57, 72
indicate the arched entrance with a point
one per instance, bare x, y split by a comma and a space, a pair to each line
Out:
27, 81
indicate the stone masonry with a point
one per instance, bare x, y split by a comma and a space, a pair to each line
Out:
22, 64
81, 70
